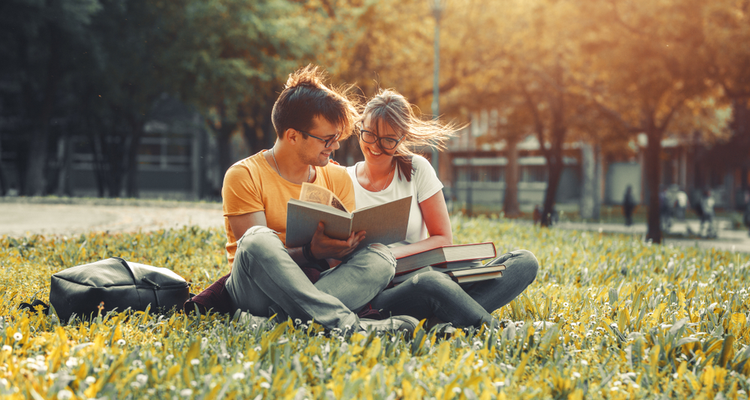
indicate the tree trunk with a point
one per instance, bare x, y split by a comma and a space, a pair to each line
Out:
741, 116
554, 167
63, 164
131, 164
653, 178
223, 143
37, 158
598, 180
511, 207
3, 184
588, 181
259, 134
108, 159
99, 166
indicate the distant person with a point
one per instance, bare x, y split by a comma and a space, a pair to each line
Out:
267, 278
628, 205
680, 204
388, 132
707, 215
664, 210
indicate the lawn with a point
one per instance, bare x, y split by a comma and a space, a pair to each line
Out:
608, 317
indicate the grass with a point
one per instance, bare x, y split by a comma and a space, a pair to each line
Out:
608, 317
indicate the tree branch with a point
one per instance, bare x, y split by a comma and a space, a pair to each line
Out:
538, 124
665, 122
734, 94
624, 24
643, 34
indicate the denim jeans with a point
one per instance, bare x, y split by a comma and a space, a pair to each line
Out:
434, 293
266, 281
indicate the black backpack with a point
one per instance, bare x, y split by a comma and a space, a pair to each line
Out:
106, 285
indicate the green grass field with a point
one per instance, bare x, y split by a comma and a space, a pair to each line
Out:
608, 317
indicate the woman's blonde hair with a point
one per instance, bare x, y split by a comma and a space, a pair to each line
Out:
391, 108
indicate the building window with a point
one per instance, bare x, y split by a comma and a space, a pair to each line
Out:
534, 173
164, 153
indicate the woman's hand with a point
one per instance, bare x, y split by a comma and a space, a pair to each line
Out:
435, 214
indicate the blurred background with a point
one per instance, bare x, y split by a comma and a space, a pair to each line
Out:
566, 102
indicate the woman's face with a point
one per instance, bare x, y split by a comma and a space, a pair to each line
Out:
373, 152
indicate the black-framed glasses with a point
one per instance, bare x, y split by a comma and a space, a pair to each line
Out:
387, 143
327, 142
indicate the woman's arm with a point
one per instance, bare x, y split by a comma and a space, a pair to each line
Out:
435, 215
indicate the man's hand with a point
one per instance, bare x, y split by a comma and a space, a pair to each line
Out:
323, 246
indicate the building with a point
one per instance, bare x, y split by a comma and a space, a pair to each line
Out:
474, 173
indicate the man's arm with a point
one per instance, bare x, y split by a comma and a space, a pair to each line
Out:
241, 223
322, 246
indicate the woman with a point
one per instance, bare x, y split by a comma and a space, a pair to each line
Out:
391, 171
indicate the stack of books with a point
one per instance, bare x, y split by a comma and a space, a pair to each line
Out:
461, 262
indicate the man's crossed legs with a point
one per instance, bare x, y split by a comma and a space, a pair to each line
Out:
266, 281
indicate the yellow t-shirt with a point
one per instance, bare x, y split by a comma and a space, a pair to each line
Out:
252, 185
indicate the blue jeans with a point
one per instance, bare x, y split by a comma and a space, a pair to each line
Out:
266, 281
433, 293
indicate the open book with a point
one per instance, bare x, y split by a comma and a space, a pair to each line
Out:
384, 223
320, 195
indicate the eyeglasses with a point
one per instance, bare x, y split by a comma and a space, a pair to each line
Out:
387, 143
328, 142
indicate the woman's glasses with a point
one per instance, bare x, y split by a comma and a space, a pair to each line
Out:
385, 142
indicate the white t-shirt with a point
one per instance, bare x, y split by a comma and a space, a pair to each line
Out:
424, 184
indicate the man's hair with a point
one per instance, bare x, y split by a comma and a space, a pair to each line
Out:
306, 96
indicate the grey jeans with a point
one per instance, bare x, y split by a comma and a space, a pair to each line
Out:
266, 281
433, 293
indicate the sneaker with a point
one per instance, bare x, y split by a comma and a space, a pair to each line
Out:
398, 323
443, 330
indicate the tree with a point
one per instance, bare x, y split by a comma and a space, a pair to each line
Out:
726, 31
43, 42
645, 61
235, 57
512, 127
537, 63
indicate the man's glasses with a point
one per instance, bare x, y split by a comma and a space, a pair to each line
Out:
328, 142
385, 142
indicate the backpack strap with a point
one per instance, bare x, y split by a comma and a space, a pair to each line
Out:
32, 307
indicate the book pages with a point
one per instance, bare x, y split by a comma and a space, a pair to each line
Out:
320, 195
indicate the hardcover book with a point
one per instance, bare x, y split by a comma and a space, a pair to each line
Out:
384, 223
460, 275
446, 255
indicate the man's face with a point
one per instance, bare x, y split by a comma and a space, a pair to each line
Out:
313, 151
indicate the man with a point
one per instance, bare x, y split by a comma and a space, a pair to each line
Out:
266, 279
707, 214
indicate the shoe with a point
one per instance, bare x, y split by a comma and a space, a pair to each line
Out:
398, 323
444, 330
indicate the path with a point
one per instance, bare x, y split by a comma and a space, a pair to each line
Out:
24, 218
19, 217
727, 239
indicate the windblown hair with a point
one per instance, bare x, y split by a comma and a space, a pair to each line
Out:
391, 108
306, 96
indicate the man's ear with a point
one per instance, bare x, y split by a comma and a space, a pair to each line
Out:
292, 135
